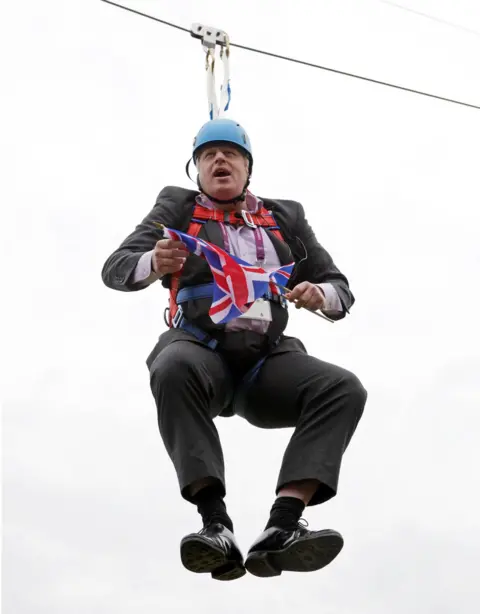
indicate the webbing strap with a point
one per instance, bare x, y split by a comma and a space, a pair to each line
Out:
214, 109
190, 293
201, 335
263, 218
193, 292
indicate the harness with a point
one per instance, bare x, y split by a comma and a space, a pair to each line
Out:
262, 219
201, 215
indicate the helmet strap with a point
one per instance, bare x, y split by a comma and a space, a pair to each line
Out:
237, 199
187, 169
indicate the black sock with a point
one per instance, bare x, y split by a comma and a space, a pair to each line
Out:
285, 513
211, 507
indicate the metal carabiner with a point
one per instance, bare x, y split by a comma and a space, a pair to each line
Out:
247, 218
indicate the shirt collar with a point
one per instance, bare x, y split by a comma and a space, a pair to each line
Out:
253, 203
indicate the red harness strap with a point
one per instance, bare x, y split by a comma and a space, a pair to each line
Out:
263, 218
193, 231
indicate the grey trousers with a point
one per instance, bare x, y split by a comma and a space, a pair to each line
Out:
192, 385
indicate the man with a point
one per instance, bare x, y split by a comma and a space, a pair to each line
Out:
200, 370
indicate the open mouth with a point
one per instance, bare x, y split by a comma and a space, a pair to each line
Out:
221, 172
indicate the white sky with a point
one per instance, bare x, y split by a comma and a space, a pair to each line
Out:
100, 110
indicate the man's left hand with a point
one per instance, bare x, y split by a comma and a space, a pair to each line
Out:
307, 295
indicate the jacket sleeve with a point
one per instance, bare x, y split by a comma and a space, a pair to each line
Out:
316, 265
118, 270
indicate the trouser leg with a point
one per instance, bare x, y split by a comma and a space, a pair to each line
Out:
191, 386
322, 401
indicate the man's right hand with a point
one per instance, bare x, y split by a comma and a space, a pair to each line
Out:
168, 256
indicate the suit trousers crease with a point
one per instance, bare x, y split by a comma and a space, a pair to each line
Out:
193, 384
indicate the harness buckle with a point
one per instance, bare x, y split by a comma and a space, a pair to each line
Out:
248, 219
276, 298
178, 317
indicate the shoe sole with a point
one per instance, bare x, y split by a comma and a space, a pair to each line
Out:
308, 554
199, 555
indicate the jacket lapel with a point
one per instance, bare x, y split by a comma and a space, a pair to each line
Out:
287, 250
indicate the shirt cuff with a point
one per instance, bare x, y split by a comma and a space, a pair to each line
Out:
332, 300
144, 272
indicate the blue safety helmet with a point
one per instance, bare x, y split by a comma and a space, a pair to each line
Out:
223, 131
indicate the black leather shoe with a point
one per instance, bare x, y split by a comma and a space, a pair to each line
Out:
213, 550
277, 550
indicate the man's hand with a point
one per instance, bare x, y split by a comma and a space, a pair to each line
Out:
307, 295
169, 256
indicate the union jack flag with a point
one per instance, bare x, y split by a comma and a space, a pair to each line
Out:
236, 284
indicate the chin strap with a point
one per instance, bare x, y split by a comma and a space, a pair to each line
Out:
237, 199
187, 170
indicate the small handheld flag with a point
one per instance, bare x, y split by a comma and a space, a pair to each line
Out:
236, 284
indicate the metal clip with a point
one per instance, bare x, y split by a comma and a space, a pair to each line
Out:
178, 317
209, 36
247, 218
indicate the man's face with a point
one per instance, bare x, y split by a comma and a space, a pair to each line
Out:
223, 171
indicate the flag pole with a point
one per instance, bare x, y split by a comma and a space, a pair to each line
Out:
315, 313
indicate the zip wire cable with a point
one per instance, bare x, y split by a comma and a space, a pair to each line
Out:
167, 23
432, 17
304, 63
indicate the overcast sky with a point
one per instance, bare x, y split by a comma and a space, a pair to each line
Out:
101, 107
